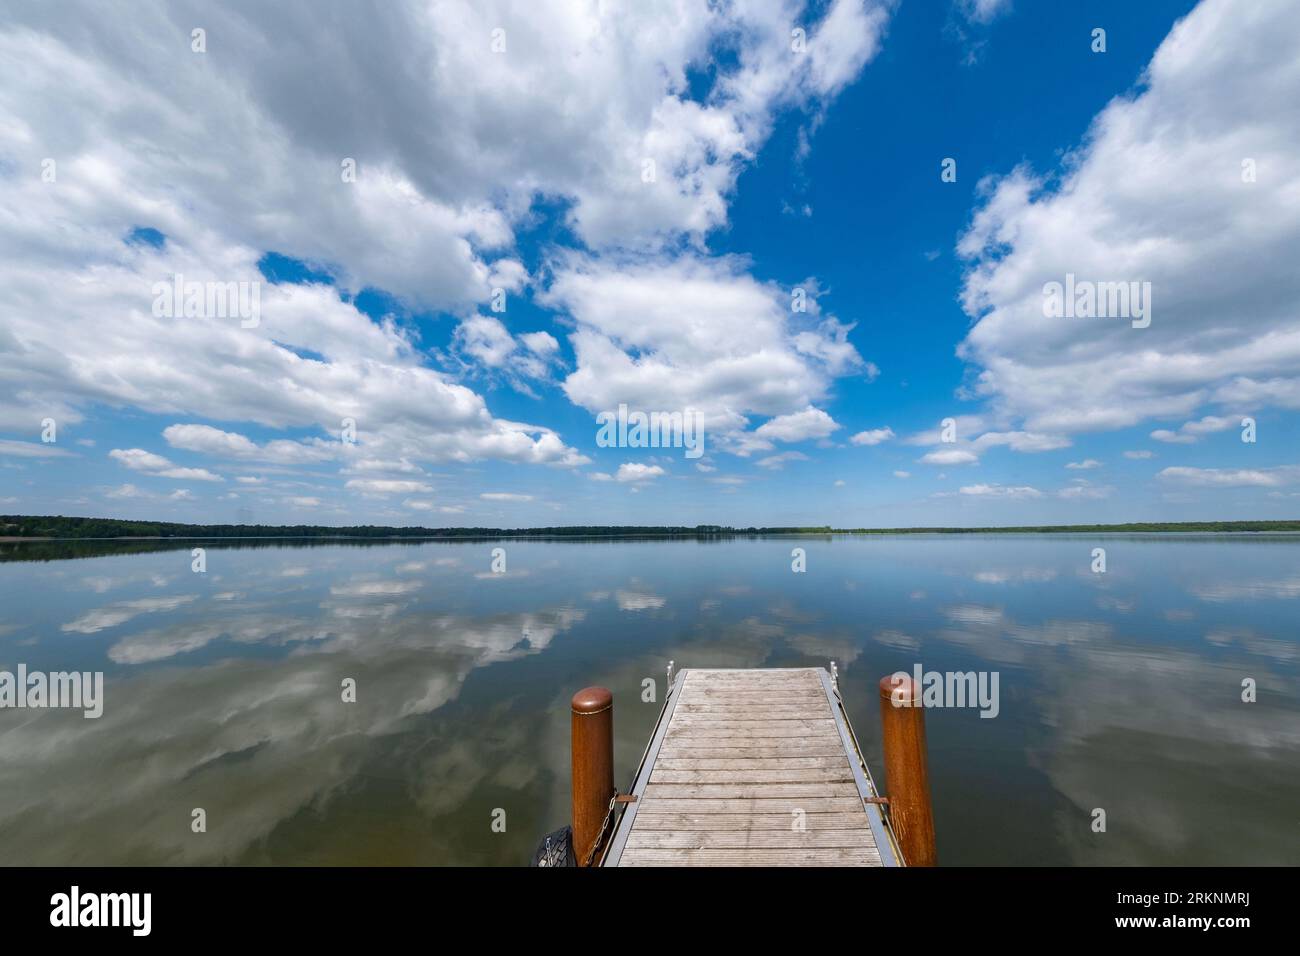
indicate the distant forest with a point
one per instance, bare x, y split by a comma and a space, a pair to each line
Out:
58, 526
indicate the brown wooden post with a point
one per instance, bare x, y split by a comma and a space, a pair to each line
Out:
592, 750
907, 780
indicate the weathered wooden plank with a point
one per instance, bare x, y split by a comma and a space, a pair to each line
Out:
751, 711
751, 763
797, 691
841, 820
753, 747
750, 692
755, 712
843, 856
732, 730
749, 790
746, 673
815, 710
756, 806
759, 839
764, 717
697, 682
800, 775
792, 688
688, 721
750, 701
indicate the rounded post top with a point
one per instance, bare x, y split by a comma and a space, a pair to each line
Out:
592, 700
899, 689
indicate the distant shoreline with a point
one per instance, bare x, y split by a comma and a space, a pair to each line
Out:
19, 528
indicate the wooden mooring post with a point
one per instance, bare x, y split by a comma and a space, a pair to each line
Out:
592, 752
907, 778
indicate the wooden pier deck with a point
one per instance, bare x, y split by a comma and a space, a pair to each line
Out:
752, 767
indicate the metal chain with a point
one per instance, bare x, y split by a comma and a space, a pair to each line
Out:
600, 837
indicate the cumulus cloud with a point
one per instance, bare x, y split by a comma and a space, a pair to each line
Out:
1000, 491
137, 459
798, 426
222, 444
692, 332
873, 436
637, 472
1232, 477
950, 456
1192, 432
1159, 191
485, 340
963, 451
144, 131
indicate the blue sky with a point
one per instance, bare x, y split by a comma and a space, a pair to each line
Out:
511, 166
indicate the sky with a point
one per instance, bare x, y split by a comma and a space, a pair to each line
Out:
420, 248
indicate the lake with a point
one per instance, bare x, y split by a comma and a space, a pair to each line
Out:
1119, 691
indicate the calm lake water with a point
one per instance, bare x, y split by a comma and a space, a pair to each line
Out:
1120, 690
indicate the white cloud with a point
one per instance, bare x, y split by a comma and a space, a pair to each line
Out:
137, 459
1191, 432
1000, 491
222, 444
702, 334
486, 339
950, 456
1086, 465
387, 486
778, 461
504, 496
1086, 490
1232, 478
1141, 454
540, 343
983, 11
798, 426
1154, 193
965, 452
126, 491
637, 472
902, 474
873, 436
434, 123
29, 449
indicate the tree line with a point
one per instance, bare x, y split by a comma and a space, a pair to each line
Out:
77, 528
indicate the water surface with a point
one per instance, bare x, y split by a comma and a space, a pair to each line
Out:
1119, 691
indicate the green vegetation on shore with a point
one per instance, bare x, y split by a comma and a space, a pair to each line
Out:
58, 526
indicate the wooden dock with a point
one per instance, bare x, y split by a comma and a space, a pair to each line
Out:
753, 768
